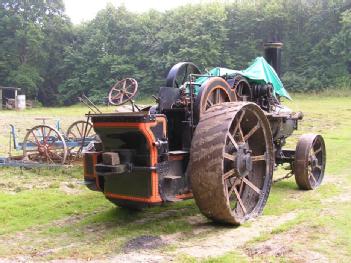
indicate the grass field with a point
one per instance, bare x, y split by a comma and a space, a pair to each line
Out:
48, 214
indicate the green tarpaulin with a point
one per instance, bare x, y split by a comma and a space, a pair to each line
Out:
258, 72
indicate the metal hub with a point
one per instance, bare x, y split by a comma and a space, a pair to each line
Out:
243, 161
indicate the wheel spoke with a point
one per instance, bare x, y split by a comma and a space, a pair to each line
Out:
218, 93
238, 126
239, 200
310, 174
317, 151
229, 156
231, 138
239, 121
319, 167
88, 132
258, 158
253, 187
209, 103
228, 174
36, 139
252, 131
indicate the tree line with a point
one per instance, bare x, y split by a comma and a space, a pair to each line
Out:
54, 61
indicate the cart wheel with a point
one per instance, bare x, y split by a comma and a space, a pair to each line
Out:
44, 144
309, 165
75, 135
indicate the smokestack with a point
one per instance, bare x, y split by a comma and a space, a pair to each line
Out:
272, 53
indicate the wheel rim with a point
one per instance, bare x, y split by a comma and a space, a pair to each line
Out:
75, 133
123, 91
44, 144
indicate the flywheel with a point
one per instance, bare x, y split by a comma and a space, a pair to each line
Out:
231, 162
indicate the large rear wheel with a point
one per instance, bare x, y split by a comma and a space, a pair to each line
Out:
231, 162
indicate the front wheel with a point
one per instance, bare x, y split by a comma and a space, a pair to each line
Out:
309, 164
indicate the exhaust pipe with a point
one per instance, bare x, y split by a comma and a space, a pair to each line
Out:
272, 53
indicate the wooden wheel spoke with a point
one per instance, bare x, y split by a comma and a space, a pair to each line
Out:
239, 200
258, 158
251, 185
252, 131
229, 156
228, 174
231, 138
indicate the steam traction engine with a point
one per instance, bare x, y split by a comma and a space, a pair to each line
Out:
214, 138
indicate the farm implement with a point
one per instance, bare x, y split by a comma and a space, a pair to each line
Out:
216, 137
45, 145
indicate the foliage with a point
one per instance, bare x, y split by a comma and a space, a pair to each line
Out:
54, 61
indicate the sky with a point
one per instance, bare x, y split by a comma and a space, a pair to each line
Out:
85, 10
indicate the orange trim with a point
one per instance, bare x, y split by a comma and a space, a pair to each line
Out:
185, 196
145, 129
94, 156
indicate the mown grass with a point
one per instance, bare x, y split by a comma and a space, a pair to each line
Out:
38, 214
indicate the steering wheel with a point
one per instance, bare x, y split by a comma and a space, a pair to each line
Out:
123, 91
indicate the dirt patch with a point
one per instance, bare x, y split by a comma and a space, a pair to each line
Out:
70, 188
226, 239
143, 242
282, 245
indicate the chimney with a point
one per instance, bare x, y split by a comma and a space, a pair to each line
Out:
272, 53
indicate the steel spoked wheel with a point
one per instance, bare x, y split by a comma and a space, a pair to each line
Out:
123, 91
44, 144
79, 133
214, 91
310, 159
231, 162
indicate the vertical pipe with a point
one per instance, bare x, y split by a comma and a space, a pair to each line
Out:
272, 53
